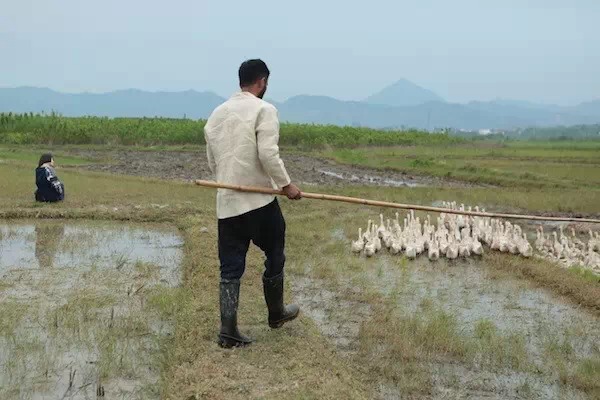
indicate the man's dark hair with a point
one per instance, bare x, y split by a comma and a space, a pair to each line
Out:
45, 158
252, 70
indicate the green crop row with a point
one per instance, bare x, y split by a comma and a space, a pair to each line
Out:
56, 129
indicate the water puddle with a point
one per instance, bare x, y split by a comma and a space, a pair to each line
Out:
473, 295
466, 289
80, 308
370, 179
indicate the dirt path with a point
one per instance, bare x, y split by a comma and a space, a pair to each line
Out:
188, 165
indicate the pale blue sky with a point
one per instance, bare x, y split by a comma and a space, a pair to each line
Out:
539, 50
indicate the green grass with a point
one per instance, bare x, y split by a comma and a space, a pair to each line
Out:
499, 351
57, 130
580, 373
522, 164
585, 274
559, 145
586, 376
95, 189
398, 347
29, 157
11, 315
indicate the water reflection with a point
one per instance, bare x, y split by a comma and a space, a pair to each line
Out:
62, 284
47, 241
86, 245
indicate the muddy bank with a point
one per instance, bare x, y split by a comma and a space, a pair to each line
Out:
186, 165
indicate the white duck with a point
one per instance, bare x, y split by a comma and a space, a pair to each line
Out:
525, 248
503, 240
396, 246
556, 246
443, 244
463, 249
452, 250
387, 236
433, 252
370, 249
381, 230
367, 234
411, 251
376, 239
513, 239
539, 241
358, 245
578, 243
592, 245
476, 247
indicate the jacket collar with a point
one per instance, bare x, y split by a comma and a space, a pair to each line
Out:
241, 93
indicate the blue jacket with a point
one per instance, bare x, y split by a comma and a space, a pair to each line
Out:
49, 188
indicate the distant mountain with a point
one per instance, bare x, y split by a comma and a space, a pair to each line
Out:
587, 108
533, 114
328, 110
524, 104
403, 93
497, 114
122, 103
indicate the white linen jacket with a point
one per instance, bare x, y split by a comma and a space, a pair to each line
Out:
242, 148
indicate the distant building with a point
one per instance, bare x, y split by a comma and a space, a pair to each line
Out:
484, 131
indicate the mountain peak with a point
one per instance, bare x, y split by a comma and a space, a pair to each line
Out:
403, 93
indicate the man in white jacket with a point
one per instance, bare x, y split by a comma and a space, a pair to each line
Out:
242, 138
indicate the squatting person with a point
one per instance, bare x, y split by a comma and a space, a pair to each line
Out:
242, 138
49, 187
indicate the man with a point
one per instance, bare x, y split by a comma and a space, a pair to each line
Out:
242, 137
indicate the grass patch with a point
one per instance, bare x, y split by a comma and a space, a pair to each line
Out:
496, 350
521, 164
166, 301
398, 347
576, 286
146, 270
586, 376
28, 157
585, 274
197, 367
559, 349
11, 315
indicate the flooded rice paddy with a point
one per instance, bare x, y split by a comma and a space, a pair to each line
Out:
80, 308
517, 340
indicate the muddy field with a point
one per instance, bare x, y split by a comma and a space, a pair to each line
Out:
517, 330
98, 295
186, 165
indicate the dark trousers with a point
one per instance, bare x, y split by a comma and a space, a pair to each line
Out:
265, 227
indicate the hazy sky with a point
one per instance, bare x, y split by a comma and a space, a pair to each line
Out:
539, 50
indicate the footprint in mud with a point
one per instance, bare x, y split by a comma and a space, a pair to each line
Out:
337, 318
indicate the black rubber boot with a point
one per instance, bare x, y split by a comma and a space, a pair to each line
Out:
229, 336
278, 313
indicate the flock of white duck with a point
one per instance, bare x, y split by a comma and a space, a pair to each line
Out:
454, 236
569, 250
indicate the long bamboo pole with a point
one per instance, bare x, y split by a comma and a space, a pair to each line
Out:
376, 203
